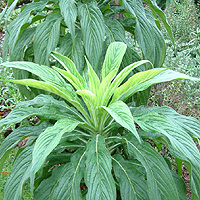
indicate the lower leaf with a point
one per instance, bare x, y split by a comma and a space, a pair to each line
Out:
98, 177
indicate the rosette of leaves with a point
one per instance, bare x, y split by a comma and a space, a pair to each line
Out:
76, 28
88, 146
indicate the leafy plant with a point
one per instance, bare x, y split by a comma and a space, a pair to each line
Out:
88, 146
78, 28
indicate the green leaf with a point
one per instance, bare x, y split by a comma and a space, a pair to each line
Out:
43, 106
3, 13
98, 176
153, 5
189, 124
131, 181
180, 143
93, 31
46, 187
69, 12
74, 50
180, 186
18, 134
94, 81
69, 66
19, 175
135, 82
64, 182
52, 78
48, 140
5, 46
147, 33
15, 26
121, 76
113, 58
71, 78
122, 115
143, 80
68, 186
46, 38
160, 184
22, 42
11, 8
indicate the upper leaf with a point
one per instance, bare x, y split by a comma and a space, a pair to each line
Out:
98, 176
69, 12
122, 114
46, 38
70, 67
93, 31
113, 58
143, 80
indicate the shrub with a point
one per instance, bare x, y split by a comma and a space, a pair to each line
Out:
88, 146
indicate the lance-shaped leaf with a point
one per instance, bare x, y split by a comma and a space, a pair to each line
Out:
20, 174
25, 38
3, 13
73, 50
94, 81
131, 180
17, 135
68, 186
180, 143
189, 124
119, 78
98, 176
122, 115
113, 58
15, 26
69, 66
180, 186
69, 12
161, 14
143, 80
48, 140
43, 106
46, 38
64, 182
50, 76
93, 31
160, 184
147, 33
46, 187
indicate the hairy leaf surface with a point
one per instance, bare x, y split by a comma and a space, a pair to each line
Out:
46, 38
160, 184
180, 143
93, 31
122, 115
48, 140
131, 181
20, 174
98, 177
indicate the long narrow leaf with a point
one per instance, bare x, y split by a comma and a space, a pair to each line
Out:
131, 180
98, 177
122, 114
160, 184
48, 140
